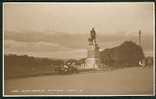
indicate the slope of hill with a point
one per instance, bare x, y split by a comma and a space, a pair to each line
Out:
19, 66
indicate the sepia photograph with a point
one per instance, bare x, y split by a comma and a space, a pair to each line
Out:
79, 49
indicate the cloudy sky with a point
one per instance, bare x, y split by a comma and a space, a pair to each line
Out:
61, 30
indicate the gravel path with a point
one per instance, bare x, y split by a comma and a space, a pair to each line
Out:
128, 81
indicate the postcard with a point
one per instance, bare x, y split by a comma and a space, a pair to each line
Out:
78, 49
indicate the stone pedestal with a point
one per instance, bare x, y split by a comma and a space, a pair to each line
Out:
93, 59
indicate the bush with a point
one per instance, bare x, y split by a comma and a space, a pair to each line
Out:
126, 54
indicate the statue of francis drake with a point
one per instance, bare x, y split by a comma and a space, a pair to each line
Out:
93, 55
92, 39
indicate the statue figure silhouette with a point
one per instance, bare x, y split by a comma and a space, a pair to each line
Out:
93, 34
92, 39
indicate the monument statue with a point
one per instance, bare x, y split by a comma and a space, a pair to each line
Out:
93, 59
93, 34
92, 39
